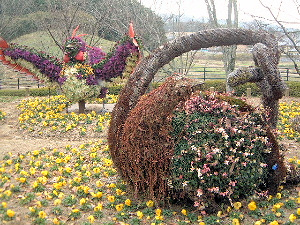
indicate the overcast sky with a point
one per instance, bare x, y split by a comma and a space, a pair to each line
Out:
285, 10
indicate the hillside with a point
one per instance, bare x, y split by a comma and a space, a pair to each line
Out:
42, 41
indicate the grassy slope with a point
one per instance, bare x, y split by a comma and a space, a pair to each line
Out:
42, 41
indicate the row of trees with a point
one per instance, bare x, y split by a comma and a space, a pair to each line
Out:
106, 19
287, 37
109, 20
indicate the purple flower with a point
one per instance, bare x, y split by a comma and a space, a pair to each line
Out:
96, 55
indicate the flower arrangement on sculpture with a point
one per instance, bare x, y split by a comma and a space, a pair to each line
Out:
220, 150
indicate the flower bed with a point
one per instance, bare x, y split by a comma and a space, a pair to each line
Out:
79, 185
288, 111
46, 117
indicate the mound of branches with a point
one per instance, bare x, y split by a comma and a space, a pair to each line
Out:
146, 144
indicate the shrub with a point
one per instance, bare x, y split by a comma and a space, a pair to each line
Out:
242, 89
294, 87
220, 150
42, 91
28, 92
219, 85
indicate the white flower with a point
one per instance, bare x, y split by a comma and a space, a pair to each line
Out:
185, 183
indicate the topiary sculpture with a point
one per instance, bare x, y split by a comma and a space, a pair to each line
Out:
124, 114
84, 70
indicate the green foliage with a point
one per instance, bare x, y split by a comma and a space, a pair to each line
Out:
28, 92
220, 151
42, 91
294, 87
242, 90
219, 85
115, 89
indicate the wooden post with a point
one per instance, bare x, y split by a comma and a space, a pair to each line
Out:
248, 92
287, 92
81, 106
27, 92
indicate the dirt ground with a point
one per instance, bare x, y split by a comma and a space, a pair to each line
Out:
12, 139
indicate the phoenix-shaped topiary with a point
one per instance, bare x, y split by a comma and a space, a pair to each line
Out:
83, 71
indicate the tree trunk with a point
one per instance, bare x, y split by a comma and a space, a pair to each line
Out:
81, 106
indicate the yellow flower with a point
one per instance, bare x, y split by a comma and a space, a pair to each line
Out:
274, 223
112, 185
150, 203
42, 214
235, 221
36, 152
32, 170
276, 207
99, 207
35, 184
111, 198
252, 206
99, 194
258, 223
68, 169
237, 205
278, 195
184, 212
159, 217
31, 209
298, 211
10, 213
219, 214
55, 221
119, 207
75, 210
119, 191
82, 201
4, 204
158, 212
139, 214
22, 179
201, 223
128, 202
91, 218
57, 202
38, 204
292, 218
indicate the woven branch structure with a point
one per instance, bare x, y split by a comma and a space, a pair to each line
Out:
147, 147
124, 114
267, 77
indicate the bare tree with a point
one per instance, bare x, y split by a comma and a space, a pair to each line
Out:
289, 33
229, 52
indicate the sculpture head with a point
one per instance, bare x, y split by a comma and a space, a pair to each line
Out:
74, 47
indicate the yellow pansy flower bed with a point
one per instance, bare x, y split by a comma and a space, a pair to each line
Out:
48, 117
